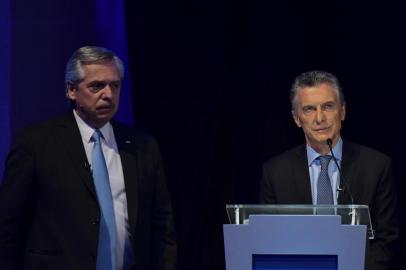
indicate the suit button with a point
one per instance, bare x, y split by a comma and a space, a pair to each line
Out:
95, 222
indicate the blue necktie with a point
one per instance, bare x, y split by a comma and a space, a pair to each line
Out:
324, 190
106, 250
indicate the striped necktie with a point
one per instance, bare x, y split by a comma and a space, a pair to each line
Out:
324, 190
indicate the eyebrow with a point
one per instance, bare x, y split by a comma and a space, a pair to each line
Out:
328, 101
101, 81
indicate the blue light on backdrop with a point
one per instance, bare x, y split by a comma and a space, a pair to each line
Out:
111, 33
56, 34
5, 80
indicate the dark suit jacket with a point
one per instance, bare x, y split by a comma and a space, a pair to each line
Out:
49, 215
369, 174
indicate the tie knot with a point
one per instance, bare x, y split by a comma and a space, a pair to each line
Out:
96, 135
324, 160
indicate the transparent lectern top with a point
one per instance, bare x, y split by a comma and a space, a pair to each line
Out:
350, 214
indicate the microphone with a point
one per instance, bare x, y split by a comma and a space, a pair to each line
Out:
88, 167
343, 181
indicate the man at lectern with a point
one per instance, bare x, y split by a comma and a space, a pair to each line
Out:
308, 174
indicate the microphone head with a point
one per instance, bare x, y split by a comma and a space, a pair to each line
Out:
329, 142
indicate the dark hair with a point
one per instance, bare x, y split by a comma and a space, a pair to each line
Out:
314, 78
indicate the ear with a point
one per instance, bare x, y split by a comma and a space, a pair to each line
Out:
343, 112
296, 119
70, 91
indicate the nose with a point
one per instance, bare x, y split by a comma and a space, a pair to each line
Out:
320, 116
107, 92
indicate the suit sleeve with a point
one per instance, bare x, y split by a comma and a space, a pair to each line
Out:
16, 196
267, 193
164, 238
385, 220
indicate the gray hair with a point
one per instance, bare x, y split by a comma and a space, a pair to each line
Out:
88, 55
312, 79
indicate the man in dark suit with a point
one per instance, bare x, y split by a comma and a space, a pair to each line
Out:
318, 107
52, 206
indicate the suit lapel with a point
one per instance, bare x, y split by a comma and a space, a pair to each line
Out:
127, 146
71, 140
301, 176
348, 167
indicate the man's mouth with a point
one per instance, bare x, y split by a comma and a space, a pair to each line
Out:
321, 129
104, 108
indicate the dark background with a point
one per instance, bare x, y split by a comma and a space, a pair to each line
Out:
210, 79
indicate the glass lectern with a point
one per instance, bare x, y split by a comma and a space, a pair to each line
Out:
273, 237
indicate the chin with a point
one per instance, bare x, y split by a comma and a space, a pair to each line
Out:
323, 139
104, 117
104, 120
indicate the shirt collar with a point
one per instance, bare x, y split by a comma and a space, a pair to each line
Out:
312, 154
87, 131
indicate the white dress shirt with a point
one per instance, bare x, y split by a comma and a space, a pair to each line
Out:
116, 177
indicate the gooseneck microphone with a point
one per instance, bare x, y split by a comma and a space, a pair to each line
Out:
343, 187
88, 167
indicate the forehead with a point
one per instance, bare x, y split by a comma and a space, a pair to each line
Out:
105, 70
317, 94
